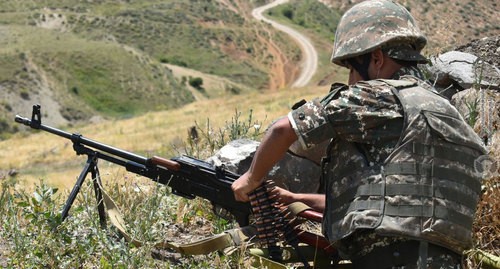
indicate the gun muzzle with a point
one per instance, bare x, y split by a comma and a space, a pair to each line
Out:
23, 120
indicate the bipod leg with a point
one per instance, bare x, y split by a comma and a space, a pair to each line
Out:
96, 179
89, 166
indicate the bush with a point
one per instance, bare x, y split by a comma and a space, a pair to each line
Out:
288, 12
196, 82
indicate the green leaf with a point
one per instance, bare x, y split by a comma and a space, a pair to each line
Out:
38, 197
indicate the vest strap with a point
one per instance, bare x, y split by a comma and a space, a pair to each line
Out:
430, 191
345, 198
358, 205
429, 170
446, 153
439, 212
423, 248
427, 211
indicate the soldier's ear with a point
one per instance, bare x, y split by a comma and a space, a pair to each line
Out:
378, 59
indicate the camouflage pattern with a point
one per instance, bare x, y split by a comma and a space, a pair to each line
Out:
396, 165
367, 242
358, 113
377, 24
404, 52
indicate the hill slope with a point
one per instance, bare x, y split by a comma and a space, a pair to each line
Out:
103, 58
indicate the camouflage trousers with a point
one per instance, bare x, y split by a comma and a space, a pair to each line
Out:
405, 255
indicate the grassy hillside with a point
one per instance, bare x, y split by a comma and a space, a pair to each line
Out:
84, 76
107, 58
186, 33
88, 59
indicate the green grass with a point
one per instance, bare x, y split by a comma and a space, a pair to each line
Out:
308, 15
319, 23
103, 75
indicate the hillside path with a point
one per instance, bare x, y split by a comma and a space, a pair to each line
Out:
309, 62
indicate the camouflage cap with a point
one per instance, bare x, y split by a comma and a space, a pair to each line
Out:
375, 24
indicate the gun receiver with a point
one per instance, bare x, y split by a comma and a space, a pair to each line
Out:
186, 176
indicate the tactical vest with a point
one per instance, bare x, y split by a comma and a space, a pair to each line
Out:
425, 189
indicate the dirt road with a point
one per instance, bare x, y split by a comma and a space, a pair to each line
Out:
309, 62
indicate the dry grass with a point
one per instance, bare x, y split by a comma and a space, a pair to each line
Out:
43, 155
486, 229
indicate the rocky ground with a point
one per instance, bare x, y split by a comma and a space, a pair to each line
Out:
487, 100
488, 49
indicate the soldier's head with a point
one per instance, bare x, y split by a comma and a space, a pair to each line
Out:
375, 37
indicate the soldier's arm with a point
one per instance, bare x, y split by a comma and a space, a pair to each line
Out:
273, 146
315, 200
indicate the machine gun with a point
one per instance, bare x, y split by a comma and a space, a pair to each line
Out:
186, 176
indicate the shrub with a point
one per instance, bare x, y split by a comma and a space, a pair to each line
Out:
288, 12
196, 82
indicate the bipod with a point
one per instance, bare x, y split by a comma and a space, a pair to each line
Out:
90, 167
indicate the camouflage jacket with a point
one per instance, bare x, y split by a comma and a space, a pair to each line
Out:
392, 167
359, 114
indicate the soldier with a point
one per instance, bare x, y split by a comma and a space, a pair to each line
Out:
400, 188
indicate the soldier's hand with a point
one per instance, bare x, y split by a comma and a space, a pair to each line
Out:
286, 197
242, 186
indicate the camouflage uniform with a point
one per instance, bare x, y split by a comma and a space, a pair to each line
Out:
368, 118
399, 178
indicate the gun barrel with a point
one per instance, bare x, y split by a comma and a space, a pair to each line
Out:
79, 139
22, 120
38, 125
109, 149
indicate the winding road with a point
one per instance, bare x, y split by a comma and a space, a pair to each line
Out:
309, 62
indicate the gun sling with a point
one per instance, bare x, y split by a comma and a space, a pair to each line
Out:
229, 238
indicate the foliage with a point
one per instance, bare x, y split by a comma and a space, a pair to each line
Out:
486, 228
203, 141
473, 111
37, 238
196, 82
309, 14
